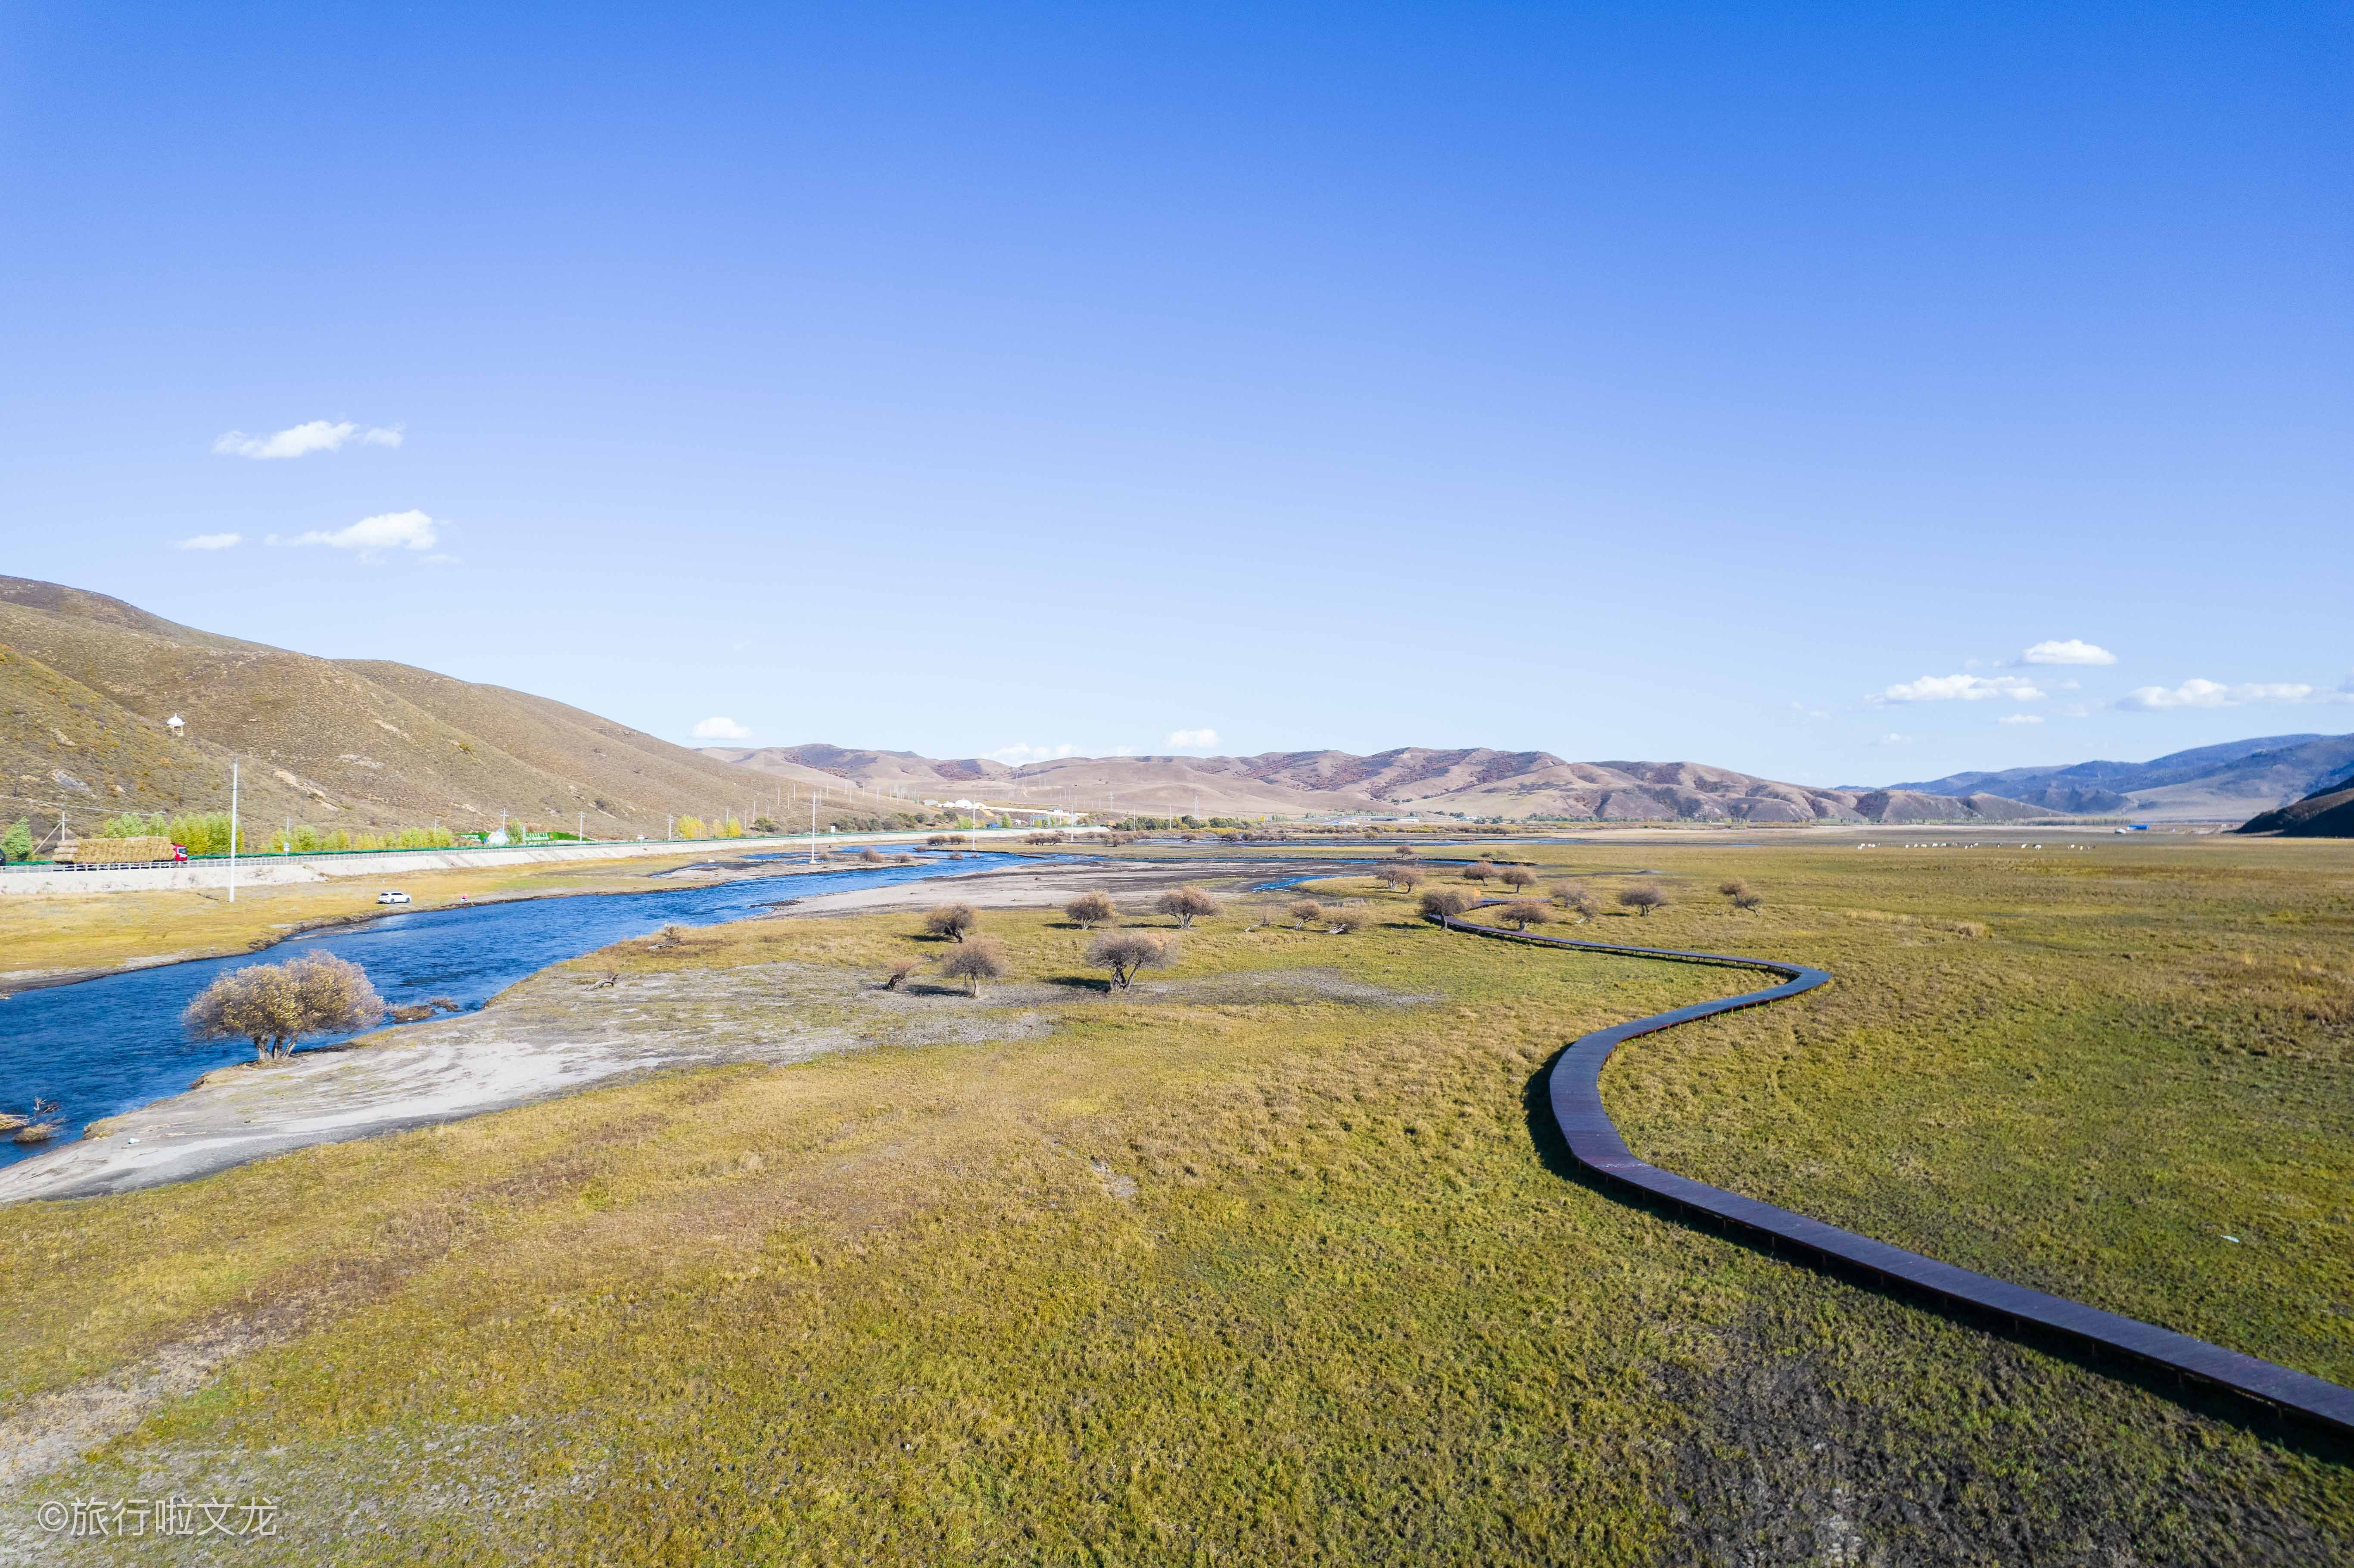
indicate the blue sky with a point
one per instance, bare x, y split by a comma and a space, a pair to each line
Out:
1753, 384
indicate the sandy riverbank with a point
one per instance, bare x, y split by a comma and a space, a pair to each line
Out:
556, 1032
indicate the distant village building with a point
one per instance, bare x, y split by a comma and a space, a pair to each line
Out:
176, 724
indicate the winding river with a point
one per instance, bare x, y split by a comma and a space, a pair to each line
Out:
104, 1046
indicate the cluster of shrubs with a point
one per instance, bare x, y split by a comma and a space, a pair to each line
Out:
977, 959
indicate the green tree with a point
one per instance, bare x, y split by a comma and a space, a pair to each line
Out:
16, 843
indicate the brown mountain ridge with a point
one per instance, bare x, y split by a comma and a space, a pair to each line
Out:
1474, 782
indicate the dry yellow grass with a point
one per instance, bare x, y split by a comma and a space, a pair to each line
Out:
1266, 1265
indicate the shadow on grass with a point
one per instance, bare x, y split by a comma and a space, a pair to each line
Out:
2244, 1414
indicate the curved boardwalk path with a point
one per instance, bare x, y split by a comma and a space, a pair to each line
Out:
1577, 1095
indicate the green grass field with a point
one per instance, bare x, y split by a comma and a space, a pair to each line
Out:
1266, 1265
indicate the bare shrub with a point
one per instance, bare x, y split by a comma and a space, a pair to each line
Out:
1733, 887
1643, 897
1573, 898
1747, 901
1090, 910
1519, 878
1187, 904
1344, 921
1126, 952
1477, 873
1053, 838
900, 970
1410, 878
952, 922
1523, 913
870, 855
975, 961
276, 1006
1444, 903
1304, 911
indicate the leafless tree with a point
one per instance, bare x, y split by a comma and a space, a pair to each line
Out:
1304, 911
952, 922
973, 962
1410, 878
1519, 878
1523, 913
1404, 852
1478, 872
1733, 887
1444, 903
1188, 904
1126, 952
900, 970
1090, 910
870, 855
1746, 901
276, 1006
1343, 921
1642, 898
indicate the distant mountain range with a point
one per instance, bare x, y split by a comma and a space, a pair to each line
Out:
87, 683
2209, 783
1410, 779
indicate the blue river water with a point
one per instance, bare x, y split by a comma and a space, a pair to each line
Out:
104, 1046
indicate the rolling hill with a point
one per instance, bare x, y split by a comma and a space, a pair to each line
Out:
2327, 813
1477, 782
2209, 783
87, 683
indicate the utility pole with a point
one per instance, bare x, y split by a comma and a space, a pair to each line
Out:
232, 831
812, 830
580, 825
666, 832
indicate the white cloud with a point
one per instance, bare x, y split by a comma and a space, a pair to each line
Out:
1192, 739
390, 531
717, 728
2074, 651
211, 542
1895, 740
1020, 752
2021, 718
2199, 693
1960, 688
300, 440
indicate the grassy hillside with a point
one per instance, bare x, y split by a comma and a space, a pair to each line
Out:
87, 682
1265, 1263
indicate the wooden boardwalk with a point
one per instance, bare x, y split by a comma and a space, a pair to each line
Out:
1576, 1096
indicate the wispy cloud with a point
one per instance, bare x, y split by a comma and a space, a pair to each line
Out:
719, 729
2073, 650
1020, 752
211, 542
1893, 739
300, 440
1192, 739
2199, 693
2021, 718
388, 531
1959, 689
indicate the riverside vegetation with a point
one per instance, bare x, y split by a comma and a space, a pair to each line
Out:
1268, 1259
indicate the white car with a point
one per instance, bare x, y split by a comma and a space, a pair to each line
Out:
390, 897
